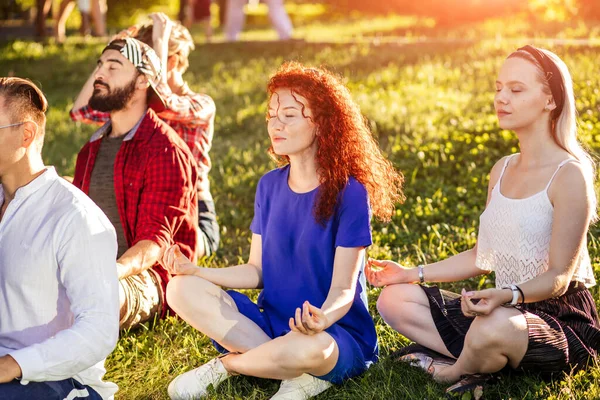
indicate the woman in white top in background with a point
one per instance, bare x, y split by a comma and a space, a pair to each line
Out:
541, 316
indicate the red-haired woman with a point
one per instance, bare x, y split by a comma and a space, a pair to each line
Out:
311, 326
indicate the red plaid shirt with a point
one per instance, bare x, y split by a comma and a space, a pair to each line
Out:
155, 186
191, 115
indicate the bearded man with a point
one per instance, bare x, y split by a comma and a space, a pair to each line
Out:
141, 174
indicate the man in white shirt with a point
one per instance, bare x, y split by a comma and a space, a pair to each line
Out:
59, 302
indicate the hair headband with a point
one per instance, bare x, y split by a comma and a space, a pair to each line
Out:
553, 76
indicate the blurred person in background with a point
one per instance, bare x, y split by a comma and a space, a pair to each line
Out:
235, 18
90, 10
42, 9
197, 11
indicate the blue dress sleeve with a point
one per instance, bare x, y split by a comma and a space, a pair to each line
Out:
256, 221
354, 216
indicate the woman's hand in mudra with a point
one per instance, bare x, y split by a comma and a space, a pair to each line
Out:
309, 320
176, 262
383, 273
486, 301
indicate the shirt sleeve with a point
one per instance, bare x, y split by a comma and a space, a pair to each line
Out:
88, 115
354, 229
256, 220
167, 196
196, 109
86, 254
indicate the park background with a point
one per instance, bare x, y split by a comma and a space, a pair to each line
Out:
423, 73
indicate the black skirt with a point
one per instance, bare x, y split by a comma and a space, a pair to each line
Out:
564, 332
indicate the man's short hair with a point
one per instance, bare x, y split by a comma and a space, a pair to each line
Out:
24, 102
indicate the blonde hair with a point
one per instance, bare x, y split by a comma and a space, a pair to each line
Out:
181, 42
564, 127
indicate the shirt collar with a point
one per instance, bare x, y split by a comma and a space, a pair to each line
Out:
104, 129
48, 176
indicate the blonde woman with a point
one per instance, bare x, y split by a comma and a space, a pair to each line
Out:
541, 316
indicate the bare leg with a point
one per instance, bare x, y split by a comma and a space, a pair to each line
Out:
43, 8
406, 309
213, 312
287, 357
66, 7
492, 342
234, 19
84, 30
186, 13
280, 19
98, 14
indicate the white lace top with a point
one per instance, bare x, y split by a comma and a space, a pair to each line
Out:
514, 237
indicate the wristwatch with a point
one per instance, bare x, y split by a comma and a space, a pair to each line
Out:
515, 295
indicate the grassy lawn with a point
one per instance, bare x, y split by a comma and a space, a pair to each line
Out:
430, 105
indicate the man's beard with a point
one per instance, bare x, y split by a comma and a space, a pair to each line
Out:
114, 99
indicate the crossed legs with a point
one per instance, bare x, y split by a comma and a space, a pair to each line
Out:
492, 342
213, 312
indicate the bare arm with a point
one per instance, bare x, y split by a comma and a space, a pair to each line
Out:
161, 31
346, 266
571, 219
86, 92
456, 268
244, 276
138, 258
311, 319
189, 108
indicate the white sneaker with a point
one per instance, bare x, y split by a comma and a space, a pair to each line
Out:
194, 384
301, 388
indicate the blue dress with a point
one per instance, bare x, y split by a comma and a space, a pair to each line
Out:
297, 265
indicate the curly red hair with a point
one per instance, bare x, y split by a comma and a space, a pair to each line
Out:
345, 144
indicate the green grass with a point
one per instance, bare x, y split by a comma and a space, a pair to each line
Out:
430, 106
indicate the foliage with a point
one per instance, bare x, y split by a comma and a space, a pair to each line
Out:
124, 13
430, 106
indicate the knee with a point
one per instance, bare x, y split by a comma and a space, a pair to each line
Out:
487, 332
176, 291
181, 287
387, 301
390, 302
305, 352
